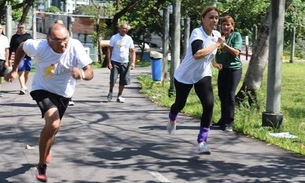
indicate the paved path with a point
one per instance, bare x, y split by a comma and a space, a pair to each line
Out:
102, 141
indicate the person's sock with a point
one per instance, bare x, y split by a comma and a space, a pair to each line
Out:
172, 117
203, 134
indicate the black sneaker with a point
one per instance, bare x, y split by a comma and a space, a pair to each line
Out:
42, 172
218, 126
22, 92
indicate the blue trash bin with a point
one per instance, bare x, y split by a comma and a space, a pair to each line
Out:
156, 65
156, 69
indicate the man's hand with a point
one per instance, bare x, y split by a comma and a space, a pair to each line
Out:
110, 66
76, 73
10, 74
132, 65
6, 64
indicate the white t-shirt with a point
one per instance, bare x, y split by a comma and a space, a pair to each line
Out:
4, 44
53, 69
120, 47
190, 71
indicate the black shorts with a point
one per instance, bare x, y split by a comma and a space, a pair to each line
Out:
2, 67
121, 69
46, 100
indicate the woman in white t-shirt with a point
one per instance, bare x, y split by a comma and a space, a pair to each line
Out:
195, 70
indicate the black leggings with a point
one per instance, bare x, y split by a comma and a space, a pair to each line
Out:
204, 91
228, 80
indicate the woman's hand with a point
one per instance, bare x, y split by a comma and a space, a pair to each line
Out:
221, 40
216, 65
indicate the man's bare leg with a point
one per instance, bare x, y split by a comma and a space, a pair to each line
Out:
47, 135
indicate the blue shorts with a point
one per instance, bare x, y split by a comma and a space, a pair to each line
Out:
25, 65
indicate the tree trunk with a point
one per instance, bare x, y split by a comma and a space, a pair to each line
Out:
26, 9
2, 13
254, 75
98, 34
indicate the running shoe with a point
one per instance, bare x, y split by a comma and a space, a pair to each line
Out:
22, 91
120, 99
109, 96
42, 173
228, 129
217, 125
171, 127
202, 148
71, 103
26, 90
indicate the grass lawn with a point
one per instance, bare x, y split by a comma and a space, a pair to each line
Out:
249, 120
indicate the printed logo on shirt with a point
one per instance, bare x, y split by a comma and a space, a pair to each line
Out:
49, 71
55, 69
120, 43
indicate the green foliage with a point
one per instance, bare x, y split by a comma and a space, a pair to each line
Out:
100, 31
248, 120
96, 65
246, 14
144, 18
299, 49
53, 9
294, 17
85, 10
16, 13
142, 64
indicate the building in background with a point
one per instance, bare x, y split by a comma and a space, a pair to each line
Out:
67, 6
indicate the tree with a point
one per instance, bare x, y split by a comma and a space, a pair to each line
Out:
20, 9
294, 19
26, 8
246, 13
53, 9
84, 10
99, 29
254, 75
137, 12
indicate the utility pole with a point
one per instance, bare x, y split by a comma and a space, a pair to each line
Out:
292, 49
165, 42
8, 21
187, 22
34, 23
175, 43
272, 117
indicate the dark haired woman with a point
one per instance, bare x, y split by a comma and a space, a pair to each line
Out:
230, 74
195, 71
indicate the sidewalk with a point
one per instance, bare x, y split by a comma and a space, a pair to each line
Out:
101, 142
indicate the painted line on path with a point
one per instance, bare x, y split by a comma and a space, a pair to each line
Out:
160, 177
